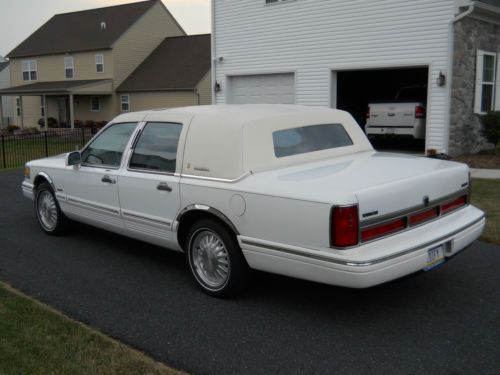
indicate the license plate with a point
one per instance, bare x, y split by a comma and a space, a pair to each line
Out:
435, 257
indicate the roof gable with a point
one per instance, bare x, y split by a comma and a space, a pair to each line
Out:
178, 63
82, 31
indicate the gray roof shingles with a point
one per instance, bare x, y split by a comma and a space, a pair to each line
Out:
178, 63
81, 31
52, 86
3, 65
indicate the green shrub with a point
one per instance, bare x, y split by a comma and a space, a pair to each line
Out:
491, 127
12, 128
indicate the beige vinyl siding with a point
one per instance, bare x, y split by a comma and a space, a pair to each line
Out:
141, 39
51, 68
161, 99
83, 112
30, 109
205, 89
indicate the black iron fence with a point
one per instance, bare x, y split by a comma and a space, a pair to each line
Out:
17, 149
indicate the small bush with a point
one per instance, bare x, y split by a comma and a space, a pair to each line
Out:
51, 120
12, 128
89, 124
491, 127
78, 124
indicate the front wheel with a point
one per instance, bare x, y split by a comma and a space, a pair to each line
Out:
215, 259
49, 215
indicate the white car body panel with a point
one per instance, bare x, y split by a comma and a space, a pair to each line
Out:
279, 208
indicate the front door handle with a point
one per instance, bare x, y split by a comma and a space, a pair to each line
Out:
163, 186
108, 180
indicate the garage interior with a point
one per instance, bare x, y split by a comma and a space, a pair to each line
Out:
357, 88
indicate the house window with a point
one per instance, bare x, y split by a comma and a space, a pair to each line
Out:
485, 82
68, 67
95, 104
125, 102
42, 106
29, 70
18, 106
99, 63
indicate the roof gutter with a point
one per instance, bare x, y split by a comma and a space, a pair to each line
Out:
469, 10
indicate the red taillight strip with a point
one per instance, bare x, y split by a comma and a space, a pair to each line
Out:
454, 204
344, 226
422, 217
383, 230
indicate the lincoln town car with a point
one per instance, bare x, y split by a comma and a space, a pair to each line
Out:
291, 190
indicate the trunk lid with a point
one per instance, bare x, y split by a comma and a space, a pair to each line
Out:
379, 182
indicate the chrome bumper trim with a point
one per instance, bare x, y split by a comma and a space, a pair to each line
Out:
360, 263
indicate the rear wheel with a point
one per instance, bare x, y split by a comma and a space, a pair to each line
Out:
215, 259
49, 215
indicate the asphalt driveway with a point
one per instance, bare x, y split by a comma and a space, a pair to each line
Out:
446, 321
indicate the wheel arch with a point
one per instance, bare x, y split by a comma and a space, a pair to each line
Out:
43, 177
194, 212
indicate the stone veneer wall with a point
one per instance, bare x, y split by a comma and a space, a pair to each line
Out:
465, 128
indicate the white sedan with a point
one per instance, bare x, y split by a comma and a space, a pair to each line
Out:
292, 190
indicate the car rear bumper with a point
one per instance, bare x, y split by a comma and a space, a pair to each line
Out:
416, 131
371, 264
28, 190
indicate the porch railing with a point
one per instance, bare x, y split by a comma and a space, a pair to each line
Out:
17, 149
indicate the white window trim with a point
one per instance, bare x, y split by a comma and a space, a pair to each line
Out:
495, 105
101, 57
98, 102
122, 102
69, 63
29, 66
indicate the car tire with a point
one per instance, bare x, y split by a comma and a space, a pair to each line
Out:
215, 259
48, 213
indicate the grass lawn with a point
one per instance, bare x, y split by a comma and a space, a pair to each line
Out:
486, 196
35, 339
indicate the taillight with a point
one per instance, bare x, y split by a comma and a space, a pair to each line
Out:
345, 226
368, 112
383, 230
419, 112
454, 204
424, 216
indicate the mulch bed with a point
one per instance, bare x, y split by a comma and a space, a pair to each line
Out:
483, 160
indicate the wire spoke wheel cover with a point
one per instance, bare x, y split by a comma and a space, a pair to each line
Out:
47, 210
210, 259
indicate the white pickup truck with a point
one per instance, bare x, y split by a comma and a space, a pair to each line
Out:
405, 116
297, 191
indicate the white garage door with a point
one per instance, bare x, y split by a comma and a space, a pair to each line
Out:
263, 88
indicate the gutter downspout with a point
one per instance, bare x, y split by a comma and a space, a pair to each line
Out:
214, 75
451, 50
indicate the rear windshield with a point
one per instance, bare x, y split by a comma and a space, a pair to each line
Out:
312, 138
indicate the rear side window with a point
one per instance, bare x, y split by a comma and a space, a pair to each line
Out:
156, 149
309, 139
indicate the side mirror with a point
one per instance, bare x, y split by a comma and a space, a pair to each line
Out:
74, 158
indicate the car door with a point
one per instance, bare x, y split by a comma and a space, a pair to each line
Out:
91, 189
148, 187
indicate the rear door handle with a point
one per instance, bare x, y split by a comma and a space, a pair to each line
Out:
163, 186
108, 180
391, 114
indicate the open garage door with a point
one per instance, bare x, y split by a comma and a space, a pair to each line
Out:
262, 88
357, 88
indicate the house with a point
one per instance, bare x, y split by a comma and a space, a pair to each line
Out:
70, 67
176, 73
5, 101
344, 54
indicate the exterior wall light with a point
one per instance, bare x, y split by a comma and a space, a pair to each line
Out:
441, 79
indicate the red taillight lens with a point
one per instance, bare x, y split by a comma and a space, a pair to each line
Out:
383, 230
453, 205
345, 226
419, 112
424, 216
368, 112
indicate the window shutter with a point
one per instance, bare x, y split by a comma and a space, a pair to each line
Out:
479, 79
497, 91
